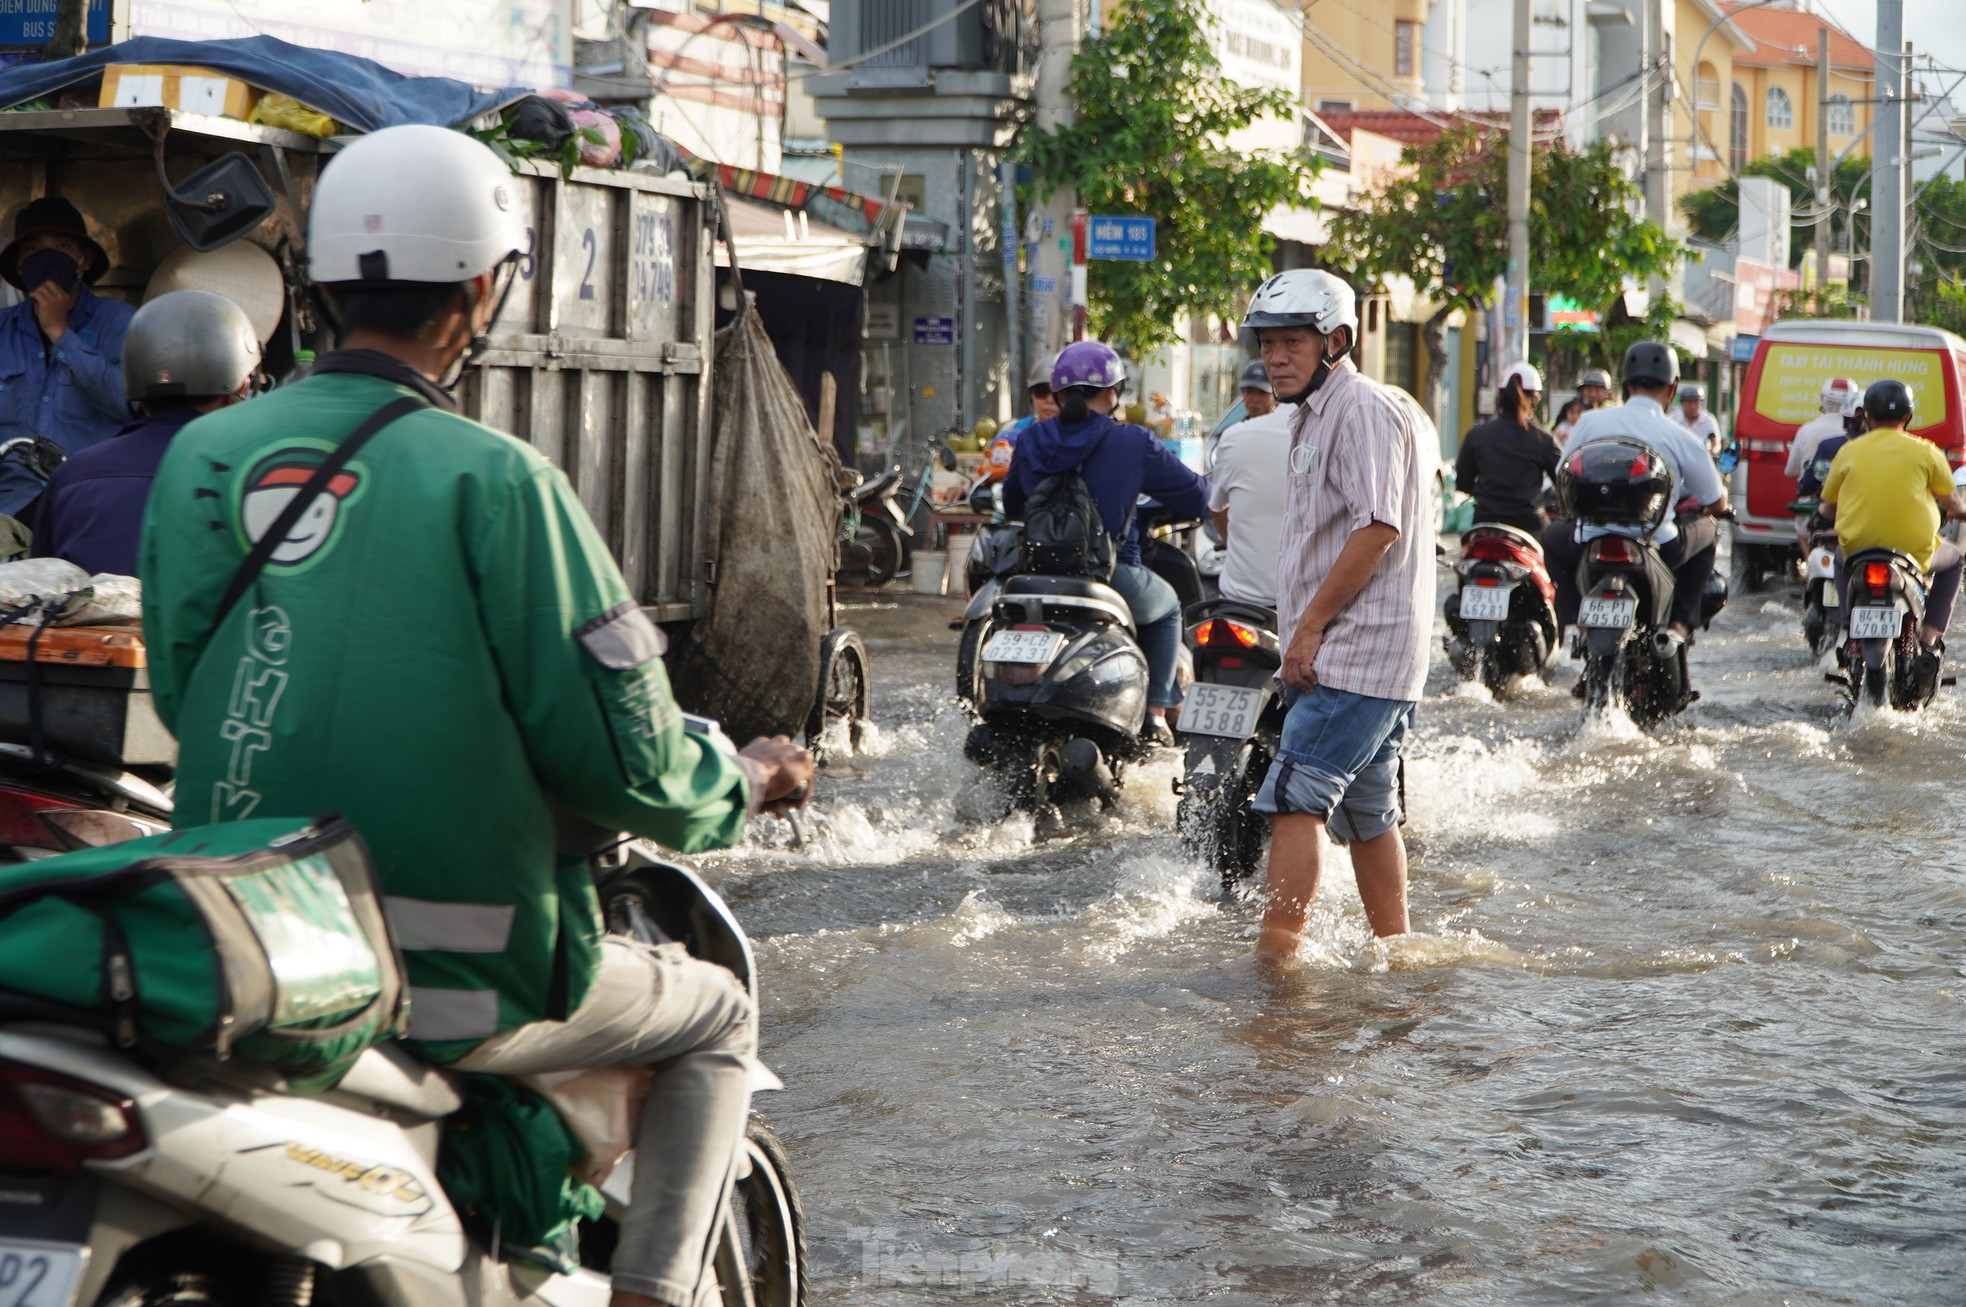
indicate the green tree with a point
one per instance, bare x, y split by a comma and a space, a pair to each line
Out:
1714, 213
1444, 223
1152, 119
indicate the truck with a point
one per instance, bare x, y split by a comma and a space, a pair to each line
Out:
602, 358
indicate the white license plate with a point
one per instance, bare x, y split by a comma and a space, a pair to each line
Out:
1831, 599
1036, 648
1876, 623
1485, 603
1617, 614
38, 1274
1229, 711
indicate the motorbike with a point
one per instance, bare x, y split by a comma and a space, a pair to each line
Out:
53, 804
1232, 720
1886, 593
1625, 585
1051, 668
1501, 623
132, 1181
873, 535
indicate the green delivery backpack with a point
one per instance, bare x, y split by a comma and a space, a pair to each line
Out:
264, 939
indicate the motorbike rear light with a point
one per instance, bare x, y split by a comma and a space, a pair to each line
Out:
1221, 633
1488, 580
1576, 465
1234, 664
54, 1123
1877, 575
1613, 549
1641, 466
21, 818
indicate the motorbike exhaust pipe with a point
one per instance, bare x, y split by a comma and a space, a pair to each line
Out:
1085, 768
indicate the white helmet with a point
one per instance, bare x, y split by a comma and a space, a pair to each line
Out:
1307, 297
1851, 403
413, 203
1837, 392
1530, 378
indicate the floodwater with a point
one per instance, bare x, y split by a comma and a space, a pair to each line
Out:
1680, 1021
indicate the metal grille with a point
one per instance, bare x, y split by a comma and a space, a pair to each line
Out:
886, 21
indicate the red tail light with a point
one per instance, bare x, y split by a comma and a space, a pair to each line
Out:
1576, 465
52, 1123
1877, 575
20, 818
1613, 549
1221, 633
1641, 466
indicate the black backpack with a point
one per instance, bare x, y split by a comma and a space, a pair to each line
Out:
1063, 532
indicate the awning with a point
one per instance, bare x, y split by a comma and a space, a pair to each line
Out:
1690, 340
771, 239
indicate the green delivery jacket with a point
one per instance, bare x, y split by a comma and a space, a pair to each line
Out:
441, 651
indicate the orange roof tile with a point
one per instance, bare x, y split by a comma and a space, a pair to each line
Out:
1409, 128
1787, 38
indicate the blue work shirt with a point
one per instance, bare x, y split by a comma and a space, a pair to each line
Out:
92, 511
1119, 463
72, 392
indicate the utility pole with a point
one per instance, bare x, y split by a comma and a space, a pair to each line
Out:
1048, 227
1822, 164
1515, 303
1658, 150
1887, 208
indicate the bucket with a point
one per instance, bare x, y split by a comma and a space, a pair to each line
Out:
931, 571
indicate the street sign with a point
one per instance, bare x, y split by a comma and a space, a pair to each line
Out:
935, 331
32, 22
1121, 238
883, 322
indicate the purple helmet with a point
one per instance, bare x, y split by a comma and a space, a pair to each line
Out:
1088, 363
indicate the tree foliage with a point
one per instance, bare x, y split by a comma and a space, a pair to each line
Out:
1152, 119
1715, 213
1444, 223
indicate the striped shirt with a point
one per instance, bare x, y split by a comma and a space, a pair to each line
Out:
1356, 459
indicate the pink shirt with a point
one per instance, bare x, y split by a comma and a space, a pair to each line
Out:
1356, 459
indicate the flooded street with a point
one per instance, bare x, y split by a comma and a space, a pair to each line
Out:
1679, 1022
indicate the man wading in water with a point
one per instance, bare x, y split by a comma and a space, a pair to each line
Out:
1355, 595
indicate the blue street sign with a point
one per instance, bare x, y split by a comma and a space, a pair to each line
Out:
1120, 238
32, 22
935, 331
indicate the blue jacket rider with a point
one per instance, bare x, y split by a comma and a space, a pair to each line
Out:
61, 349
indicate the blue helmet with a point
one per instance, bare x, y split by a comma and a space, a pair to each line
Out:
1090, 364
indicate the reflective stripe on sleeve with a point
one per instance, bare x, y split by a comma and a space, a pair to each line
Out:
450, 927
437, 1015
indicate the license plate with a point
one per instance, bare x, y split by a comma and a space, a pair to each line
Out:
1485, 603
1036, 648
38, 1274
1831, 599
1229, 711
1876, 623
1617, 614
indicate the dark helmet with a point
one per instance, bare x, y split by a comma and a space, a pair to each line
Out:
1650, 363
1256, 377
1615, 480
1889, 403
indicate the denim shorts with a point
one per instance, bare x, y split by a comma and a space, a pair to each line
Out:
1339, 760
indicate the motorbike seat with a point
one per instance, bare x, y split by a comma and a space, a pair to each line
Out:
389, 1075
1073, 592
879, 487
1517, 534
1251, 614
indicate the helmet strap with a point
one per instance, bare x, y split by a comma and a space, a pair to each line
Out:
503, 277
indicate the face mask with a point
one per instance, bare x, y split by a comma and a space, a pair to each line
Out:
44, 266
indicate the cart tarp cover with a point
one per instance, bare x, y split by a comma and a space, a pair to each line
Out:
753, 661
358, 93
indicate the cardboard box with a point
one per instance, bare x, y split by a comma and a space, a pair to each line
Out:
176, 86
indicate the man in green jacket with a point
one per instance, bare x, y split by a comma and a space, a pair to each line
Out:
441, 649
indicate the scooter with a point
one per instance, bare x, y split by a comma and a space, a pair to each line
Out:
1501, 623
1626, 587
874, 536
204, 1182
1051, 666
1887, 605
1822, 611
1232, 720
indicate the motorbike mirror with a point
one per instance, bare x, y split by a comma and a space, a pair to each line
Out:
217, 204
947, 457
1959, 478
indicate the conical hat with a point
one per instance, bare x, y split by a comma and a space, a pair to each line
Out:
241, 271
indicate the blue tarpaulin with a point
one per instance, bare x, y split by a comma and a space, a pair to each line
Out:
358, 93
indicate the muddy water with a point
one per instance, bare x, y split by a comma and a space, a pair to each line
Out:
1679, 1022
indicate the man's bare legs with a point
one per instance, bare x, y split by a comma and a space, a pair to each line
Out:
1297, 864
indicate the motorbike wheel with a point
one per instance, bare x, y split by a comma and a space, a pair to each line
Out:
843, 695
880, 541
761, 1261
1898, 662
969, 670
1877, 682
1497, 668
1601, 680
1032, 774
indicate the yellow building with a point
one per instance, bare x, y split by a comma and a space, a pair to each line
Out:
1362, 54
1756, 91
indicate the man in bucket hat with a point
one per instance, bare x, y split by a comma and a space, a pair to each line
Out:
61, 348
